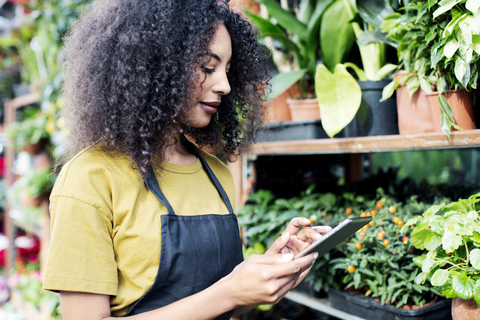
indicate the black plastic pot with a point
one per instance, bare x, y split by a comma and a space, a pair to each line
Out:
374, 118
367, 308
296, 130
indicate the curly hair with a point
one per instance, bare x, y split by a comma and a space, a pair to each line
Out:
130, 70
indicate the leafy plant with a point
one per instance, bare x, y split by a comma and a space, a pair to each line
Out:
339, 94
438, 49
35, 183
377, 261
450, 234
28, 131
299, 36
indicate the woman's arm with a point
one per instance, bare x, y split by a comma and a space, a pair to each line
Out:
261, 279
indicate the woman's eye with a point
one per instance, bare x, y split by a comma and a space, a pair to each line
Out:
207, 70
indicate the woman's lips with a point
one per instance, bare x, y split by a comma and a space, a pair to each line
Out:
208, 108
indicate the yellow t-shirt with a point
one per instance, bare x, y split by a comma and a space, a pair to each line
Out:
105, 223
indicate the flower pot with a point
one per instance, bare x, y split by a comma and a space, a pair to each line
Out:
304, 109
376, 118
277, 109
251, 5
465, 309
461, 103
366, 308
414, 114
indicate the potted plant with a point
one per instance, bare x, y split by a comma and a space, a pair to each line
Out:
377, 265
33, 187
341, 96
29, 134
450, 234
438, 53
298, 36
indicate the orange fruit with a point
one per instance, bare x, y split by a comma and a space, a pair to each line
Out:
379, 204
405, 240
392, 209
351, 269
371, 223
358, 245
348, 210
373, 212
385, 242
400, 222
324, 213
381, 234
395, 219
363, 214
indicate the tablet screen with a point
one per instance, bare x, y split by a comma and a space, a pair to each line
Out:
335, 236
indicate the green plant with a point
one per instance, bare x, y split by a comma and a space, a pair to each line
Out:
338, 92
377, 261
299, 37
450, 234
28, 131
35, 183
438, 49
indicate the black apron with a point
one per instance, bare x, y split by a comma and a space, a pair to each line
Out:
196, 251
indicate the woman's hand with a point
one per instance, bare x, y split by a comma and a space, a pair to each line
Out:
265, 279
298, 240
293, 242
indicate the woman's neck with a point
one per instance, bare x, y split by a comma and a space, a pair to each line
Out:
179, 154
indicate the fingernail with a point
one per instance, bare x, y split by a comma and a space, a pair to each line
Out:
287, 257
315, 255
317, 236
285, 236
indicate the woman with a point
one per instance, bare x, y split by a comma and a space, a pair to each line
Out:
142, 220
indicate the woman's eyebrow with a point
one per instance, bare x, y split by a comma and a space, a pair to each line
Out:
216, 57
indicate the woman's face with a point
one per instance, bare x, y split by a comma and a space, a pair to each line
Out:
212, 82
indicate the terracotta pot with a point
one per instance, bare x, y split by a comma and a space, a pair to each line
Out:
414, 114
304, 109
35, 148
251, 5
461, 103
277, 109
465, 309
28, 201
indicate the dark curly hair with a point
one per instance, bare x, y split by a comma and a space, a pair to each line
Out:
130, 70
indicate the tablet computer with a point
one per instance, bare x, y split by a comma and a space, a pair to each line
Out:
335, 236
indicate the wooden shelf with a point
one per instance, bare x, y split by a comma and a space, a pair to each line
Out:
434, 140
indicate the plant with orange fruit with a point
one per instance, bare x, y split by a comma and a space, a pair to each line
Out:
379, 262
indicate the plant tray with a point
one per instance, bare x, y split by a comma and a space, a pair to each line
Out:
367, 308
291, 130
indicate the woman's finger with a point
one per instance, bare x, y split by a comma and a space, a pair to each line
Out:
279, 244
296, 223
312, 233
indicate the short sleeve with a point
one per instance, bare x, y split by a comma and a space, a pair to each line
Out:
81, 256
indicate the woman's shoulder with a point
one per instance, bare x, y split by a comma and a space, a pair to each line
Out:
93, 166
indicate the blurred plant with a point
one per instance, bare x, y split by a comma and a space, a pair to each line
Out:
30, 130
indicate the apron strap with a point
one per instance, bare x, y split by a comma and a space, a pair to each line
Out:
152, 184
216, 182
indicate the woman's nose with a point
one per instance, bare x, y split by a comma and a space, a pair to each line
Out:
222, 86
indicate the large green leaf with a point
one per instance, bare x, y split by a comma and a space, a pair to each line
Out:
440, 277
281, 82
285, 19
463, 285
374, 11
336, 34
445, 5
475, 258
339, 97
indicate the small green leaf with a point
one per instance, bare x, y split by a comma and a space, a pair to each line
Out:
450, 48
475, 258
445, 5
473, 5
432, 241
451, 241
388, 90
440, 277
